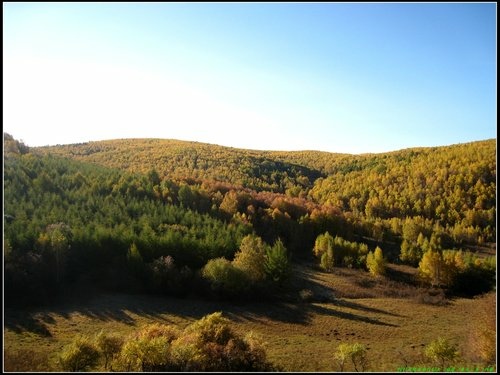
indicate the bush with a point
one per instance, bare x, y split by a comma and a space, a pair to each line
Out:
109, 346
441, 351
355, 352
148, 349
224, 277
145, 354
209, 344
79, 355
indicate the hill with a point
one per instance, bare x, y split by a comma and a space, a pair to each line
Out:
257, 170
450, 186
108, 199
108, 217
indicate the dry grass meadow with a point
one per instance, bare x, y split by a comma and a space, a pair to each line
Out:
392, 318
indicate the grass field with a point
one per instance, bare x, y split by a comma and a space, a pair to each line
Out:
391, 318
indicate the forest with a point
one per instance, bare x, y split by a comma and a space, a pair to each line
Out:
175, 218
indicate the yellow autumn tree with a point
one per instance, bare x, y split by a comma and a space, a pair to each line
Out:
375, 262
431, 266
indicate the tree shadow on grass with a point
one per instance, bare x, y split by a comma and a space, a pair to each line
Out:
358, 306
322, 310
24, 321
122, 308
125, 308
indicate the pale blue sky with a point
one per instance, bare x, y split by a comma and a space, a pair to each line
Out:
351, 77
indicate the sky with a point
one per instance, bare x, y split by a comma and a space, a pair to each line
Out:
338, 77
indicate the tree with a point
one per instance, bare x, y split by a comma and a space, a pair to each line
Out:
441, 351
134, 258
186, 196
154, 177
251, 258
431, 266
323, 249
56, 241
230, 204
277, 264
166, 278
327, 260
323, 243
375, 262
410, 252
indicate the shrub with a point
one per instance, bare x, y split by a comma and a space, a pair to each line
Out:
209, 344
148, 349
145, 354
224, 277
79, 355
211, 328
441, 351
306, 295
109, 346
355, 352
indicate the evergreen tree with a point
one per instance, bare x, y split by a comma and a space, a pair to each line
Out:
277, 265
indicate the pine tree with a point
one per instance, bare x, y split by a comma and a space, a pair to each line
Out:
277, 264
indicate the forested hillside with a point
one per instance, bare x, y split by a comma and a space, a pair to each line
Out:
164, 210
452, 187
257, 170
